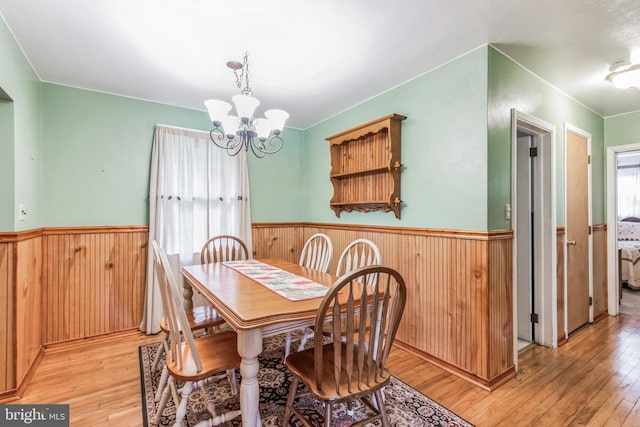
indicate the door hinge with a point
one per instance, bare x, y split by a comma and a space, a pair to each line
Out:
590, 300
589, 159
590, 230
534, 317
533, 151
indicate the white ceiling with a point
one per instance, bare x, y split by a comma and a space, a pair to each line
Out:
315, 58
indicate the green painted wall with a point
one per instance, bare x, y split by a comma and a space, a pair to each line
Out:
276, 181
512, 86
7, 161
78, 157
444, 150
20, 137
622, 130
97, 152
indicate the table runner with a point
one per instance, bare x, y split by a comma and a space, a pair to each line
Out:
283, 283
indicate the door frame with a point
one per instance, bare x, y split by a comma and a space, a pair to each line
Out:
586, 135
545, 269
613, 288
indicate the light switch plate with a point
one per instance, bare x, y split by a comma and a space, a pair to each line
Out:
507, 211
22, 212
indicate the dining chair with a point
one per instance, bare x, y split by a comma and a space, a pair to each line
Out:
195, 361
201, 318
359, 253
223, 248
364, 309
316, 254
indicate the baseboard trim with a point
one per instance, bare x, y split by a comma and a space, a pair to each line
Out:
484, 383
16, 393
79, 342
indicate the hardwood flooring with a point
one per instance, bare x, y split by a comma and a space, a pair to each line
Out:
593, 380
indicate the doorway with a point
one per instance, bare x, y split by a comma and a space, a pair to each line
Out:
624, 155
526, 210
533, 196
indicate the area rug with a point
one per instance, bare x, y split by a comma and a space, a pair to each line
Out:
405, 405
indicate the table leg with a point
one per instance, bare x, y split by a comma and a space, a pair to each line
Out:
249, 347
187, 294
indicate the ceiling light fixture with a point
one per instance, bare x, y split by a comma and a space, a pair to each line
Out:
624, 75
232, 133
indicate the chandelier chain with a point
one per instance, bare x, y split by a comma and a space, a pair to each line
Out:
242, 75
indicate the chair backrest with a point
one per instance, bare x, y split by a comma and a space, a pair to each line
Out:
223, 248
366, 318
359, 253
175, 316
317, 252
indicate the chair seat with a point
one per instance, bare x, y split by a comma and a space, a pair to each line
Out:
200, 317
301, 364
213, 359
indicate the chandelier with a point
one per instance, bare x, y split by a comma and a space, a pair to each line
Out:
243, 130
624, 75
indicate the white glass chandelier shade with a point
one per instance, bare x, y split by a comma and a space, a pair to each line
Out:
230, 125
277, 118
217, 109
263, 128
626, 77
245, 106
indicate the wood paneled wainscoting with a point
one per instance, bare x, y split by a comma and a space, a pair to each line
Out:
459, 310
21, 307
68, 284
7, 315
65, 284
93, 281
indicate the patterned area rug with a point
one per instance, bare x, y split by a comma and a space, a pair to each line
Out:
405, 406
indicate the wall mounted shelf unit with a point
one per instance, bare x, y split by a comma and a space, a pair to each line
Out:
365, 167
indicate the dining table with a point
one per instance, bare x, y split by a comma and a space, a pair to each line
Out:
254, 311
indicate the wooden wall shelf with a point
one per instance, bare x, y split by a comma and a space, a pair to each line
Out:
365, 167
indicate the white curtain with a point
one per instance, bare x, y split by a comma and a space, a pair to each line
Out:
628, 191
196, 191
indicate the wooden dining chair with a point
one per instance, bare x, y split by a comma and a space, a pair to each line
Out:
195, 361
366, 318
359, 253
223, 248
202, 318
316, 254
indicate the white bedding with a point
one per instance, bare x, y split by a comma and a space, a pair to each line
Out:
630, 262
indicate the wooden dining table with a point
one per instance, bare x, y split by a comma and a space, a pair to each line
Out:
254, 312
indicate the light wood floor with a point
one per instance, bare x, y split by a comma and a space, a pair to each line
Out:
592, 380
